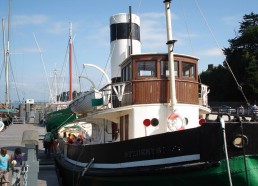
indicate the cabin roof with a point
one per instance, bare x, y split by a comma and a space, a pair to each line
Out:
157, 53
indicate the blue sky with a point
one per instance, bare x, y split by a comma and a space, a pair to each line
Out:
49, 21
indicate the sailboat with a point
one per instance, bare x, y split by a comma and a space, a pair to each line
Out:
58, 113
6, 110
156, 131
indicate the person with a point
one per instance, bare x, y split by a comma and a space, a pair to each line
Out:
74, 138
70, 139
47, 143
54, 143
79, 141
4, 166
16, 164
241, 110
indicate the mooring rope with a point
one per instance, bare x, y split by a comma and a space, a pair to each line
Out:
244, 155
226, 151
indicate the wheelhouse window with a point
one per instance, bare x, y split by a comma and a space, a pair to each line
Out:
188, 70
164, 71
146, 68
127, 72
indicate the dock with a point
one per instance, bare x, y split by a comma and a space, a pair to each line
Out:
11, 138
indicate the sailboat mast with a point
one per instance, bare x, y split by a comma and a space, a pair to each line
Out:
6, 56
70, 63
4, 45
170, 43
7, 59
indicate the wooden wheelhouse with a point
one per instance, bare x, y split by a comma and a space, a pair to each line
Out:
146, 79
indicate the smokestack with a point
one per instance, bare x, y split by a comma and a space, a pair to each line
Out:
124, 39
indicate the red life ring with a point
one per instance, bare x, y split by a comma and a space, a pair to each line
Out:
201, 121
175, 122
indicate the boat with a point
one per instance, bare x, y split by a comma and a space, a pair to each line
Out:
83, 103
93, 99
59, 117
58, 112
158, 129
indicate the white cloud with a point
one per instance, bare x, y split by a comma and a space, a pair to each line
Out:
231, 20
31, 50
58, 27
153, 33
29, 19
211, 52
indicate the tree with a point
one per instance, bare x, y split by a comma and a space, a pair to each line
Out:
219, 81
242, 58
242, 55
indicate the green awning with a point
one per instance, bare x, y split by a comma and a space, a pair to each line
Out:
97, 102
72, 127
6, 111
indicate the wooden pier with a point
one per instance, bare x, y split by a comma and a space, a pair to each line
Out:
12, 138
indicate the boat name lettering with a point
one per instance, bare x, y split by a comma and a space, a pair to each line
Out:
151, 151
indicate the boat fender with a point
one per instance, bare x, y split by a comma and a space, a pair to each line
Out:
176, 122
1, 125
201, 121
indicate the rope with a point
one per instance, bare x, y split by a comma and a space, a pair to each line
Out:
187, 28
63, 70
14, 81
42, 60
62, 124
220, 49
243, 145
226, 151
85, 169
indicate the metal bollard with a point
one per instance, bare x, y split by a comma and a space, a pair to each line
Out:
30, 140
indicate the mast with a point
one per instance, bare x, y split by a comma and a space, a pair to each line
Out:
170, 43
7, 100
4, 47
7, 57
70, 63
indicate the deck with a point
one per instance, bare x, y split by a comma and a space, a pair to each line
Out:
12, 137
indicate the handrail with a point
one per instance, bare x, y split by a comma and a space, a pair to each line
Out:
18, 120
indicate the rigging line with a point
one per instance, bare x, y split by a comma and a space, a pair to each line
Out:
110, 54
139, 6
42, 60
76, 65
220, 49
2, 69
187, 28
63, 70
53, 87
80, 84
14, 80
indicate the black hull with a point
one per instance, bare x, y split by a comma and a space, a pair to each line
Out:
200, 147
8, 121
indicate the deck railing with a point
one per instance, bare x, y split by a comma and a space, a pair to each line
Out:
19, 120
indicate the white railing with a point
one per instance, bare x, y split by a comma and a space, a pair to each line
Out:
19, 120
